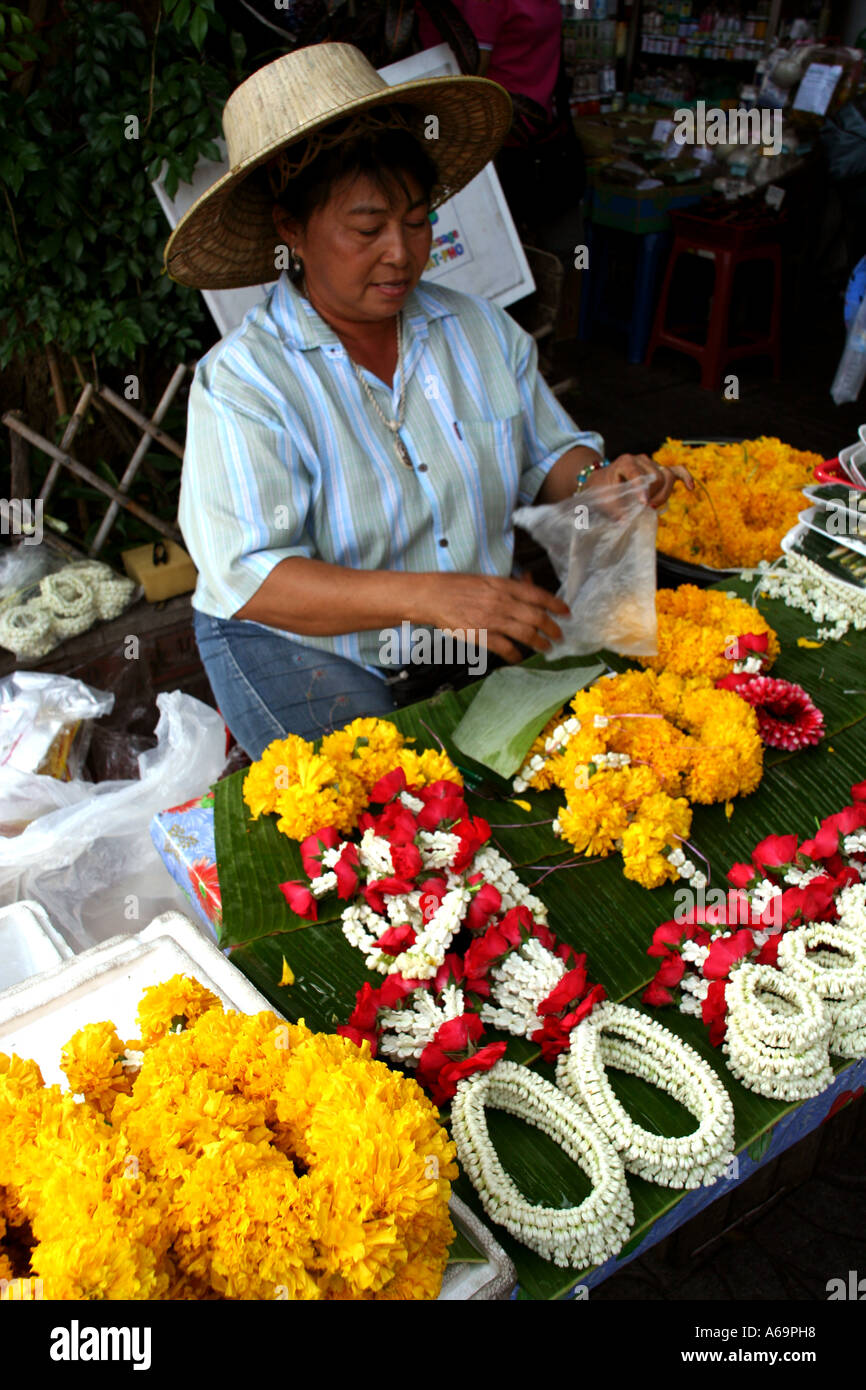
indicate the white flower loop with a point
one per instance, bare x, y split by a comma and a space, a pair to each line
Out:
619, 1037
776, 1040
579, 1236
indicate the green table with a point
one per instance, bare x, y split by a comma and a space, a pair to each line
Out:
591, 906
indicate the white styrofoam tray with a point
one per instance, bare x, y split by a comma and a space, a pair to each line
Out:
39, 1015
29, 943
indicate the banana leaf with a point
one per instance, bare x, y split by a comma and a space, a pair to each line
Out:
591, 905
510, 708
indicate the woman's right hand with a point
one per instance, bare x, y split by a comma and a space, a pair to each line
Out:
496, 613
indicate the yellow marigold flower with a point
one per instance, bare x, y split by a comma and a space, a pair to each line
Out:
748, 496
176, 1003
696, 625
274, 771
93, 1065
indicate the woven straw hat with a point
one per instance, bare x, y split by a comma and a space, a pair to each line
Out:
227, 237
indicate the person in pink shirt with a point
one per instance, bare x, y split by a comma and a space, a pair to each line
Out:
540, 164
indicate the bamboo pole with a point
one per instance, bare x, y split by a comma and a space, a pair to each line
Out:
72, 428
141, 420
88, 476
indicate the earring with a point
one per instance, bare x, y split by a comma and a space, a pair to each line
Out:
295, 263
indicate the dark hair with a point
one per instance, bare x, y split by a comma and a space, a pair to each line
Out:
385, 156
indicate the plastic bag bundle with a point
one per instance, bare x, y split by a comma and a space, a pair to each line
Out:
602, 545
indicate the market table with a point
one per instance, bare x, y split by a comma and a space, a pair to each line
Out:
591, 906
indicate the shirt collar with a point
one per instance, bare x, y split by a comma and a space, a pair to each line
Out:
302, 328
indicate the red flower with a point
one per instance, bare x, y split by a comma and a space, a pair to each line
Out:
787, 718
569, 988
300, 899
376, 890
406, 860
439, 809
725, 951
388, 786
670, 972
395, 989
206, 885
346, 869
774, 852
739, 648
657, 995
770, 950
858, 791
741, 875
713, 1010
395, 824
433, 890
450, 971
485, 903
442, 1081
668, 934
366, 1009
397, 939
473, 832
314, 846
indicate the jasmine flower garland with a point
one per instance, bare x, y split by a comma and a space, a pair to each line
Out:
619, 1037
837, 974
577, 1236
776, 1051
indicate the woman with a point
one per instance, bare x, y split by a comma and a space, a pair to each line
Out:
356, 448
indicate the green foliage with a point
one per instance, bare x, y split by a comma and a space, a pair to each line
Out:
81, 231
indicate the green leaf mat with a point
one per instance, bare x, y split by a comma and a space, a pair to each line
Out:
591, 906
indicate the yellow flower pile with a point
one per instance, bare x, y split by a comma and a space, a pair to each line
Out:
312, 789
238, 1157
682, 741
695, 626
747, 496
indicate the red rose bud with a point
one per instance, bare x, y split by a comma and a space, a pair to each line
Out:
346, 869
725, 951
858, 791
484, 904
314, 846
670, 972
388, 786
300, 899
657, 995
406, 860
397, 939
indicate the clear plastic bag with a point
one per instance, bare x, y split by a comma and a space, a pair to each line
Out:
602, 545
45, 722
89, 860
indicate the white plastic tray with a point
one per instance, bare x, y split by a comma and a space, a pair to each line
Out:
40, 1014
28, 943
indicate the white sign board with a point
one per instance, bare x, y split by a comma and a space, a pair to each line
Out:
475, 243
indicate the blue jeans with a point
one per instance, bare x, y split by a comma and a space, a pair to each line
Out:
267, 686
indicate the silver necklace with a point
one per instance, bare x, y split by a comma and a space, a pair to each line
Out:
393, 426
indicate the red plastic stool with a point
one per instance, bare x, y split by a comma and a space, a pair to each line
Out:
730, 245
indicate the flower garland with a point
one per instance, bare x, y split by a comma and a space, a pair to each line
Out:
701, 631
574, 1236
801, 583
787, 717
782, 1051
747, 496
237, 1157
619, 1037
638, 748
830, 959
331, 786
797, 913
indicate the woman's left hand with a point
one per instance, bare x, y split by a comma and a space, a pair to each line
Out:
660, 481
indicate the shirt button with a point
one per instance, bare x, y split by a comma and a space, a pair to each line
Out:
422, 468
443, 541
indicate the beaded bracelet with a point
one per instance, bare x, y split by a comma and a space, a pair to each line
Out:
588, 469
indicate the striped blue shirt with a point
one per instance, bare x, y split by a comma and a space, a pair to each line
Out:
285, 454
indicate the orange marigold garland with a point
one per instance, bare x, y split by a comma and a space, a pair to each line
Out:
702, 631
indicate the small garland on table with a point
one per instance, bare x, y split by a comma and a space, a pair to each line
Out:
830, 959
577, 1236
782, 1051
701, 631
638, 749
619, 1037
804, 585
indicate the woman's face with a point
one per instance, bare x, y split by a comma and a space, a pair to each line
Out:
363, 255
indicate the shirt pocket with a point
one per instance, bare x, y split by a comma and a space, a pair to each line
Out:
496, 447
